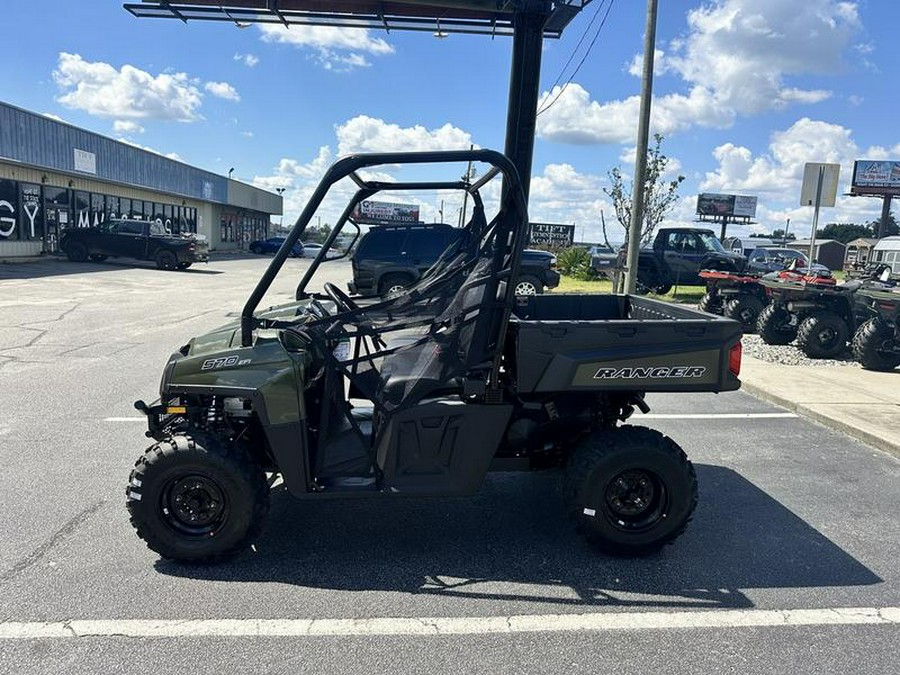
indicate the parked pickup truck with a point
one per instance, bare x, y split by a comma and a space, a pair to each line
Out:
140, 239
423, 391
676, 256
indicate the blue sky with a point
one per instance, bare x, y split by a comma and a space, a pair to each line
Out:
746, 92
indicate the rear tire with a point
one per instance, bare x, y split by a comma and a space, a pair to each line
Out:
166, 260
393, 283
712, 304
76, 251
774, 325
822, 335
194, 499
874, 346
745, 309
630, 491
529, 285
184, 265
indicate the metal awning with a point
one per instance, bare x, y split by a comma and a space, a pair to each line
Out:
481, 17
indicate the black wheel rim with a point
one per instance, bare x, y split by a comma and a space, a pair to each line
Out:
827, 336
747, 315
635, 500
194, 505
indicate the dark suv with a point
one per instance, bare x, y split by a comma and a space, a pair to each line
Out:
392, 257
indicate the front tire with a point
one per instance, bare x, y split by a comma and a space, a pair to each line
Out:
76, 251
184, 265
822, 335
166, 260
630, 490
774, 325
745, 309
874, 346
194, 499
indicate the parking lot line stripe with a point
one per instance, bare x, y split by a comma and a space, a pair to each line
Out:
718, 416
534, 623
650, 416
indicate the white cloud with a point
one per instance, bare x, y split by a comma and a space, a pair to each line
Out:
222, 90
738, 58
127, 127
575, 118
743, 51
776, 175
54, 117
247, 134
128, 93
367, 134
337, 49
248, 60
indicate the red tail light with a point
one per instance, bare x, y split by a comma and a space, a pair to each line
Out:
734, 360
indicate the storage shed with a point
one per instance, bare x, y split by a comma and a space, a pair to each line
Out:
828, 252
887, 250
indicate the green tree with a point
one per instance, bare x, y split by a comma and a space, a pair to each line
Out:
659, 195
844, 232
891, 229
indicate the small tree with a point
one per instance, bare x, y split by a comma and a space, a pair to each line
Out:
659, 196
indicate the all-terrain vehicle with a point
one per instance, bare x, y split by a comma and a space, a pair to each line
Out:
876, 343
423, 392
815, 310
737, 295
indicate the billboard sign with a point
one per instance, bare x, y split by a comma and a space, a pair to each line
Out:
372, 212
711, 204
551, 235
875, 177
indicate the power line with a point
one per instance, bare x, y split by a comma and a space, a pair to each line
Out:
547, 107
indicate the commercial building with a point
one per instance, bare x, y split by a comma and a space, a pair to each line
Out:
54, 175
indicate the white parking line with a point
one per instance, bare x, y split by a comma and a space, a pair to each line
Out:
650, 416
717, 416
533, 623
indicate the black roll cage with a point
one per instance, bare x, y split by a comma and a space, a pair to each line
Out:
512, 219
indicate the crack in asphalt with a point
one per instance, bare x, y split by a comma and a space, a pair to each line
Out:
41, 332
37, 554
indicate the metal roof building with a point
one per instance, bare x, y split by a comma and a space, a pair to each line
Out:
54, 175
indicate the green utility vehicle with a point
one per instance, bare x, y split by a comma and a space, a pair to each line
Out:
423, 391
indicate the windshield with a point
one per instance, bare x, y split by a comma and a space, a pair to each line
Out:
710, 242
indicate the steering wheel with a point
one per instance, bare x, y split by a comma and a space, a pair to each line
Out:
341, 299
346, 303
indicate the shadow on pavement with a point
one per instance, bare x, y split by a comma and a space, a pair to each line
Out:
52, 267
514, 535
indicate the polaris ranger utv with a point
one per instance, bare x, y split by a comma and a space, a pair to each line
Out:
422, 392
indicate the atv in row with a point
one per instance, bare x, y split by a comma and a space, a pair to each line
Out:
741, 296
823, 317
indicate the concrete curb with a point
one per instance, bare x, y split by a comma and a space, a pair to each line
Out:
889, 447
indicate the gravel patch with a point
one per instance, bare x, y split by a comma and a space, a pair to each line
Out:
789, 355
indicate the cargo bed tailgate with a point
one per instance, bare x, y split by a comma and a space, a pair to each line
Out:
620, 342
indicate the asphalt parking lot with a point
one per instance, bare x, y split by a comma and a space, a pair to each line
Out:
790, 564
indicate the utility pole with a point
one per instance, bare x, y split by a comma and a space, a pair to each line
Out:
640, 163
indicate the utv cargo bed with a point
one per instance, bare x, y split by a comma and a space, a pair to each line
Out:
621, 342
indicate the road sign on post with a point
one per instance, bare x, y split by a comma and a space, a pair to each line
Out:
819, 188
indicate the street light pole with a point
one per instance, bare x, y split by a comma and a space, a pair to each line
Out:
640, 163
